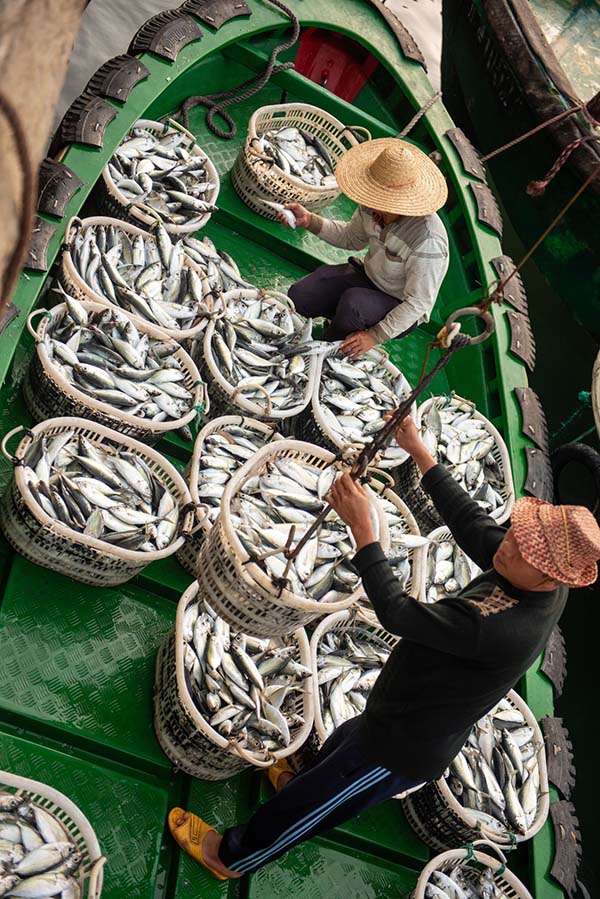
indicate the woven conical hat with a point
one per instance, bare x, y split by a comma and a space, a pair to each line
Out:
392, 175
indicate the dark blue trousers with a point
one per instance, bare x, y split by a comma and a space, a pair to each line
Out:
340, 784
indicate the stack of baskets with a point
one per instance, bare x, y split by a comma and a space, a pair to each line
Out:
75, 285
408, 477
185, 735
188, 554
238, 588
71, 819
113, 203
443, 823
472, 864
50, 543
259, 181
49, 394
226, 398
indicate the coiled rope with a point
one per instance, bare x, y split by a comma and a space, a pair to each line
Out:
217, 103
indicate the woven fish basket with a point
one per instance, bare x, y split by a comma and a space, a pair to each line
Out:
440, 820
112, 201
472, 863
188, 554
258, 180
312, 424
48, 542
48, 394
75, 285
185, 735
408, 477
438, 536
238, 588
226, 398
71, 819
346, 621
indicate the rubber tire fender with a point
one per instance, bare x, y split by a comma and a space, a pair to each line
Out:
584, 455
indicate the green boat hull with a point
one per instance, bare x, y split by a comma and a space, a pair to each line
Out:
484, 66
77, 666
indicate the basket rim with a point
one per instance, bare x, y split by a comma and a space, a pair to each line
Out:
498, 868
68, 268
141, 449
500, 443
333, 436
544, 795
153, 331
134, 209
299, 635
348, 617
250, 407
311, 189
75, 815
251, 572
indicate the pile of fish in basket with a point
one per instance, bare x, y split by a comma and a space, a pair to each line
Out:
154, 329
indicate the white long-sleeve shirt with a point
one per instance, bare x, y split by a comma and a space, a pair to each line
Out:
407, 259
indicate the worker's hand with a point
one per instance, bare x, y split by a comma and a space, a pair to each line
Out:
408, 438
350, 501
358, 343
301, 215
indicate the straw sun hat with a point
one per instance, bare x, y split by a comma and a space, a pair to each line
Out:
563, 542
391, 175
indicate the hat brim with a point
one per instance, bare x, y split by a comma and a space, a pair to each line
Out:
426, 194
524, 516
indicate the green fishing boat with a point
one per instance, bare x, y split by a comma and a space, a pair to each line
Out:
77, 662
508, 66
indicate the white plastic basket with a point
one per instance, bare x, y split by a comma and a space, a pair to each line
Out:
50, 543
439, 819
408, 477
342, 622
313, 425
77, 287
114, 203
73, 820
188, 554
226, 397
439, 535
49, 394
472, 862
258, 180
237, 588
186, 736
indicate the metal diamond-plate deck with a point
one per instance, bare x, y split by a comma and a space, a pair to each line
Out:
82, 660
127, 813
319, 870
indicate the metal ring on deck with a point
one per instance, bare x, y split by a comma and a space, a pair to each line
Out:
472, 310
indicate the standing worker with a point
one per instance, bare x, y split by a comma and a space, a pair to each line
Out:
456, 660
394, 288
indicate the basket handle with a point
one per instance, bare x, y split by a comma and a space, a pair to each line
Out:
488, 844
5, 439
361, 130
179, 127
200, 507
73, 223
258, 387
46, 313
258, 155
217, 314
383, 477
251, 759
97, 866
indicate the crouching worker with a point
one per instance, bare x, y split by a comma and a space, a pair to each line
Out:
394, 288
457, 659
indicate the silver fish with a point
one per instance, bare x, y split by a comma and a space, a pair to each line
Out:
299, 153
448, 569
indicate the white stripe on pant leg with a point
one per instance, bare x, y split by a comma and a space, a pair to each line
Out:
293, 833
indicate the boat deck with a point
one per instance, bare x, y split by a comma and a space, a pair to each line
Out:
76, 671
